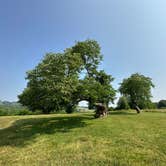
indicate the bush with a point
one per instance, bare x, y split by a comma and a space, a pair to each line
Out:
37, 112
24, 112
147, 105
123, 104
70, 109
3, 113
9, 111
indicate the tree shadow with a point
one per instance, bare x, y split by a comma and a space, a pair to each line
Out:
24, 130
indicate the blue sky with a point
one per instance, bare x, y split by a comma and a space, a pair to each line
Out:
132, 34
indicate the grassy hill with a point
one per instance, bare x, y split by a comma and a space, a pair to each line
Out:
123, 138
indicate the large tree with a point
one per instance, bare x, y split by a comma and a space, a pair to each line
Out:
137, 89
61, 80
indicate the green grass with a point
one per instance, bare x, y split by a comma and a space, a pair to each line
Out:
121, 139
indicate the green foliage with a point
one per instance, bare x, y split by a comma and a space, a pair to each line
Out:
70, 108
24, 112
123, 103
162, 104
111, 109
14, 108
148, 105
91, 89
89, 50
137, 88
9, 111
56, 84
3, 112
51, 83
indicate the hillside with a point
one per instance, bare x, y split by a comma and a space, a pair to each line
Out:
10, 104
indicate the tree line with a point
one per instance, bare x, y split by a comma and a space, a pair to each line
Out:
123, 104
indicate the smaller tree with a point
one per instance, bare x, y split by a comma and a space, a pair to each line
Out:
123, 103
137, 88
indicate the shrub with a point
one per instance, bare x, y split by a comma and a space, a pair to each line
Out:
24, 112
123, 103
70, 109
3, 113
37, 112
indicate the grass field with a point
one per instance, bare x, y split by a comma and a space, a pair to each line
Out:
121, 139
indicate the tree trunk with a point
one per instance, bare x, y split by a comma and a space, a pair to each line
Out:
137, 109
91, 104
101, 111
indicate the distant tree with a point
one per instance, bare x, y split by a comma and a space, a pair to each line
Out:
137, 88
155, 105
61, 80
162, 104
123, 103
147, 105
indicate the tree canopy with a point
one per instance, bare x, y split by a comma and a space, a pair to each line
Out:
137, 89
162, 104
61, 80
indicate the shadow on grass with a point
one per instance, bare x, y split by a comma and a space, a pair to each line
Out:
24, 130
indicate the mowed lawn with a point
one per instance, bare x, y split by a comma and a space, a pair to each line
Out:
121, 139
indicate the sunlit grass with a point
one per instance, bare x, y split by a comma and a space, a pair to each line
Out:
79, 139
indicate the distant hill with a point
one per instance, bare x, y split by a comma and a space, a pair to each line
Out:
10, 104
12, 108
